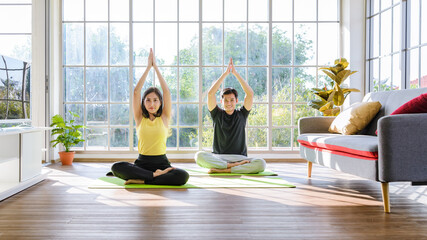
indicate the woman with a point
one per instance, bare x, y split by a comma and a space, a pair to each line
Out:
152, 120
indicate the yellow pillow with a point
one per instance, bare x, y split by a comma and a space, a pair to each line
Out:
355, 118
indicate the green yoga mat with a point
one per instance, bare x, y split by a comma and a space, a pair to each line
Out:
200, 182
203, 172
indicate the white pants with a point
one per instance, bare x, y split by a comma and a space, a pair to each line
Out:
219, 161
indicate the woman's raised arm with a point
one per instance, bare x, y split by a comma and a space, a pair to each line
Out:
136, 100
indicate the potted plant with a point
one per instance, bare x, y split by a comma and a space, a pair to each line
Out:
329, 100
68, 135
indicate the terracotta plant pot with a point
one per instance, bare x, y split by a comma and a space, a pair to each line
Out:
66, 157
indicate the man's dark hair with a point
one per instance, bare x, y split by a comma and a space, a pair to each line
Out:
227, 91
159, 95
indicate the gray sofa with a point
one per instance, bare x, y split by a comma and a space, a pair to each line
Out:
398, 153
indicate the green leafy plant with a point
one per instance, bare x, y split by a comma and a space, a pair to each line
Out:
67, 132
329, 100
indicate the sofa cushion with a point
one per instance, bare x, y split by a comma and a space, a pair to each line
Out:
355, 118
358, 146
415, 105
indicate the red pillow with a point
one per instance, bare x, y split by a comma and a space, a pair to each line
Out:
416, 105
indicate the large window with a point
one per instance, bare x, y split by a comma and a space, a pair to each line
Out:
397, 44
277, 48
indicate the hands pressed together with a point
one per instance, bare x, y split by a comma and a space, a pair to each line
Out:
231, 68
151, 59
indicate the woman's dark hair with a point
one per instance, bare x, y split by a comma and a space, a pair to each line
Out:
159, 95
227, 91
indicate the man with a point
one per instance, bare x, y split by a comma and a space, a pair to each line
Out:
229, 145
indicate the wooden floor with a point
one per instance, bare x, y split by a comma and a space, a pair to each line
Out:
331, 205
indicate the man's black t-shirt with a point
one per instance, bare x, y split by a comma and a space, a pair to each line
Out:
229, 131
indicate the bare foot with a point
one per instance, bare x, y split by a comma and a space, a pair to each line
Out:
216, 170
233, 164
134, 181
159, 172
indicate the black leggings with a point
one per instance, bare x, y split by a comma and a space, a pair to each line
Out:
145, 166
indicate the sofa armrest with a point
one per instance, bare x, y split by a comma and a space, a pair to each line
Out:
402, 150
314, 124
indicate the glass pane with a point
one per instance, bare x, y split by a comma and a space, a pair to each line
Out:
119, 138
142, 10
282, 88
166, 10
15, 19
188, 44
73, 87
119, 10
414, 23
212, 10
257, 79
75, 108
188, 137
257, 137
119, 114
305, 79
282, 44
258, 10
375, 4
376, 37
281, 137
413, 68
172, 139
424, 23
235, 10
96, 84
170, 76
257, 45
96, 43
73, 43
386, 32
302, 110
210, 75
328, 43
73, 10
207, 138
207, 120
423, 69
328, 10
119, 84
397, 36
305, 10
386, 74
258, 115
235, 43
166, 43
174, 115
96, 10
119, 43
189, 10
386, 4
96, 114
282, 10
142, 42
397, 72
188, 115
281, 114
189, 84
295, 137
375, 74
305, 44
96, 138
231, 81
212, 44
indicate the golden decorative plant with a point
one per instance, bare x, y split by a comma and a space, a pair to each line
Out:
329, 100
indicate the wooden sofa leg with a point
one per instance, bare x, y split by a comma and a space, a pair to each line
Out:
309, 167
386, 198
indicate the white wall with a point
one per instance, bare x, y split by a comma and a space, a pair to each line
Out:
353, 45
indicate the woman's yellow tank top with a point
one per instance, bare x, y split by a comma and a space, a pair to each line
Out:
152, 137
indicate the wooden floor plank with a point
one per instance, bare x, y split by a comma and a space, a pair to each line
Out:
330, 205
